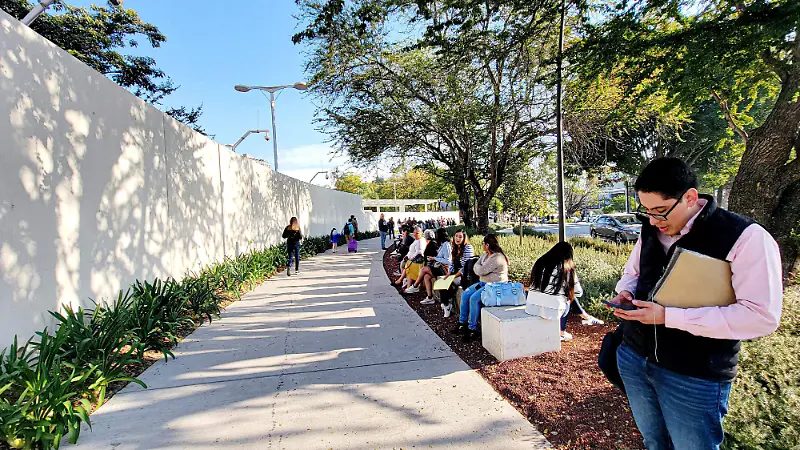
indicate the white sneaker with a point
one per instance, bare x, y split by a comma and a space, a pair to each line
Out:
412, 290
396, 273
447, 310
427, 301
592, 321
566, 337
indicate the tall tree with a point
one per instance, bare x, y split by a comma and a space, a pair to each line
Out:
462, 94
100, 37
731, 52
524, 195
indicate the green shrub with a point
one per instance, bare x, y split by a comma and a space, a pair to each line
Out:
42, 409
157, 314
100, 340
531, 231
199, 296
765, 400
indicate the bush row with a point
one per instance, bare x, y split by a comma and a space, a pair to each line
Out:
50, 385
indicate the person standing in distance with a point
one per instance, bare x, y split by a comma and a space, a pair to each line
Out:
383, 227
293, 237
677, 364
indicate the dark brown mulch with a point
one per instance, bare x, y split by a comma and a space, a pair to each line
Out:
563, 394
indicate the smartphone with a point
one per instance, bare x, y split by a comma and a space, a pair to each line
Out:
617, 305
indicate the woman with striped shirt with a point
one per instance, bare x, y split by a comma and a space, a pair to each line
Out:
462, 251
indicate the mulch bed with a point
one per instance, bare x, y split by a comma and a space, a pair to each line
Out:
563, 394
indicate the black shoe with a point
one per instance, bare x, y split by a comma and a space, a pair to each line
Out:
471, 335
460, 328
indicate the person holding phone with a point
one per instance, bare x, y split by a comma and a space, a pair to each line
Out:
677, 364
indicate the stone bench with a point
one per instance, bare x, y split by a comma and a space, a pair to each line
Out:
508, 332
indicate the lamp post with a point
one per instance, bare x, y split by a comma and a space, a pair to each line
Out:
233, 146
315, 175
300, 86
562, 235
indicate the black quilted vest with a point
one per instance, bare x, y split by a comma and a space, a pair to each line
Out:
714, 233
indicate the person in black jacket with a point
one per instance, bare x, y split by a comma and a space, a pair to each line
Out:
383, 227
293, 237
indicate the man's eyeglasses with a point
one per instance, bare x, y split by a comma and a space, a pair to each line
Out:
640, 210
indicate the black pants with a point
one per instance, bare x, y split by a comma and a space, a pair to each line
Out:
294, 251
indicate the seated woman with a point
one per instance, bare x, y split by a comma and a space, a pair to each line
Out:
491, 267
415, 251
554, 273
431, 250
436, 264
462, 251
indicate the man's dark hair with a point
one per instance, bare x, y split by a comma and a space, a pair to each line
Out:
670, 177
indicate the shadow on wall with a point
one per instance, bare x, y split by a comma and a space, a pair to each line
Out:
98, 189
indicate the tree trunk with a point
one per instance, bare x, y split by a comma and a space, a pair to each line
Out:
766, 188
483, 215
464, 205
758, 192
520, 230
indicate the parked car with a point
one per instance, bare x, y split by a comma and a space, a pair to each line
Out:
620, 228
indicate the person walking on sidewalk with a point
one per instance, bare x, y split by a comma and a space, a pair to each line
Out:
677, 364
383, 227
293, 237
391, 228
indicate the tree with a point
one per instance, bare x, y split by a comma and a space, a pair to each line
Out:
465, 98
348, 182
99, 37
524, 195
617, 204
730, 52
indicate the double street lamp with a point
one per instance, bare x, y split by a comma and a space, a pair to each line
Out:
300, 86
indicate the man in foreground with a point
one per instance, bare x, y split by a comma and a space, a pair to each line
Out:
677, 364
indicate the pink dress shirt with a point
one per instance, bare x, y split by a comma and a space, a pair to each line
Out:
757, 281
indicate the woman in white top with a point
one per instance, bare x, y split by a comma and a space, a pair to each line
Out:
435, 266
554, 273
416, 250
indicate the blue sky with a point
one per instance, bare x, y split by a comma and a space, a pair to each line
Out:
212, 46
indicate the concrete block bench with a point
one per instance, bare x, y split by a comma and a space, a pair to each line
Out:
508, 333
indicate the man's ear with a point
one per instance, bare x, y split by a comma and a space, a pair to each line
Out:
691, 197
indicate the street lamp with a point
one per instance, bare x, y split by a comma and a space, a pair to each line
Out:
315, 175
233, 146
44, 4
300, 86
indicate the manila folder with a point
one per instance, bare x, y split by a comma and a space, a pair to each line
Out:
443, 283
694, 280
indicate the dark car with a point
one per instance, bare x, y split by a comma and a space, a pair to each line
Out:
620, 228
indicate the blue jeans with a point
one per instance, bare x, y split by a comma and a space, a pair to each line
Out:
471, 305
294, 251
383, 239
673, 411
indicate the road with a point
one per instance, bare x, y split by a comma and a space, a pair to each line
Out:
573, 229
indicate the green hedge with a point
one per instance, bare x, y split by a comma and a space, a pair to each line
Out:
48, 386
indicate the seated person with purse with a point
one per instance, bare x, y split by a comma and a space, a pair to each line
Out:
437, 262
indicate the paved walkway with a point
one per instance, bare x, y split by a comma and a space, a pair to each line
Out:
332, 358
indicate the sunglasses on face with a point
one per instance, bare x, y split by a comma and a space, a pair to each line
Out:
642, 211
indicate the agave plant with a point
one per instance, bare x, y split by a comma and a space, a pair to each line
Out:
45, 408
157, 313
100, 339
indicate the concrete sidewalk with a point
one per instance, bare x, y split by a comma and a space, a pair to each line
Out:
332, 358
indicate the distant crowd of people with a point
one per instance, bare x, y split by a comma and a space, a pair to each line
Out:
387, 227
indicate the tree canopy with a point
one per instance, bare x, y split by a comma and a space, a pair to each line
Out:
100, 37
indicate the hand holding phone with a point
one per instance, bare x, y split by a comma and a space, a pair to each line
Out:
622, 301
618, 305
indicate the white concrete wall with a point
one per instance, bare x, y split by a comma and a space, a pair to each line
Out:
98, 189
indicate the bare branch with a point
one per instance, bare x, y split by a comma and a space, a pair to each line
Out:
723, 104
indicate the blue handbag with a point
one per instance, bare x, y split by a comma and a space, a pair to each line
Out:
503, 294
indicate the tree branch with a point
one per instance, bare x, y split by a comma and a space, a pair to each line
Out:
723, 104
